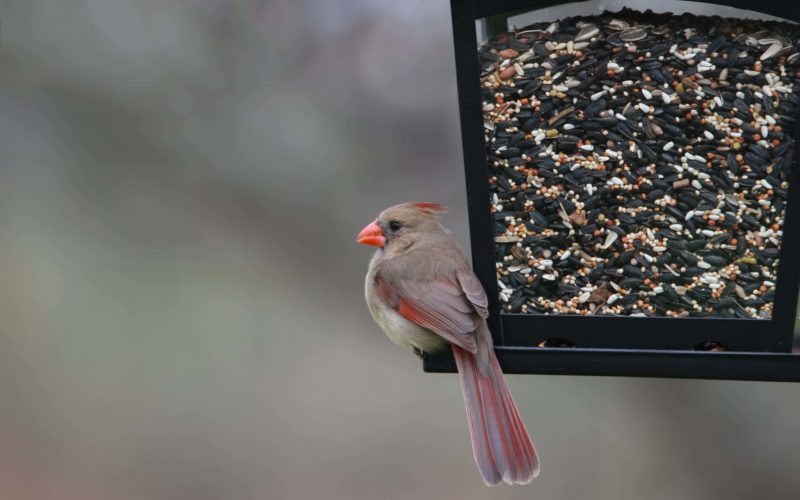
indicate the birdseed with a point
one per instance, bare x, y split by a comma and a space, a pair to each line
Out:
638, 163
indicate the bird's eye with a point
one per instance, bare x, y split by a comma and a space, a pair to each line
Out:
395, 225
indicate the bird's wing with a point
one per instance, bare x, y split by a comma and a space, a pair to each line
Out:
444, 306
474, 291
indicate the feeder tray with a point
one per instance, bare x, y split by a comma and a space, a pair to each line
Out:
614, 345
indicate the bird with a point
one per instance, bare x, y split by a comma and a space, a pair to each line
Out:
422, 292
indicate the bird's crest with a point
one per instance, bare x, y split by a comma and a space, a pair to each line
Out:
428, 207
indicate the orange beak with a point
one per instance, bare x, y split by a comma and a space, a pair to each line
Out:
372, 235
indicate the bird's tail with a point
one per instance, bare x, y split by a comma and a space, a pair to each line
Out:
502, 447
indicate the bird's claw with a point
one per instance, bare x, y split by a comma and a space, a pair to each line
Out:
418, 352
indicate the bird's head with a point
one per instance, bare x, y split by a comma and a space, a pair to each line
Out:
400, 226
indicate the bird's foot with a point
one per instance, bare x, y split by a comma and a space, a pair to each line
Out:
418, 352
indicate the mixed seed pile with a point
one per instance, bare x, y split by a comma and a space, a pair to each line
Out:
638, 163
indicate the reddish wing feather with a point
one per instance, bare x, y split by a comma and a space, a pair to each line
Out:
429, 319
439, 306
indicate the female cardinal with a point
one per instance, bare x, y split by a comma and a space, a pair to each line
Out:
423, 294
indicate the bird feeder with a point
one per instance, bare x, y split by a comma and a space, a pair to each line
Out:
633, 191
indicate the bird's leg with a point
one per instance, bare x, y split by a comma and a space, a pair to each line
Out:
418, 352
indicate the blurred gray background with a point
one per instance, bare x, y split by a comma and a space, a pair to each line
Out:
181, 314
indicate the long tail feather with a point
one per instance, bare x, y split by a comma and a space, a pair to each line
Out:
502, 447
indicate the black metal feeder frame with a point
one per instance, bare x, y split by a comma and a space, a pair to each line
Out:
614, 345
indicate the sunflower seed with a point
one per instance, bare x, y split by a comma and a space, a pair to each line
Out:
771, 51
634, 34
